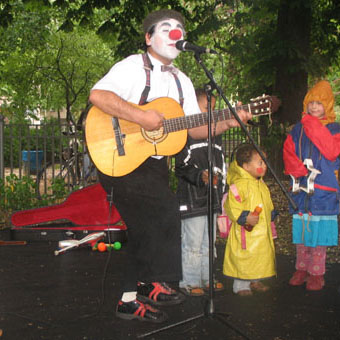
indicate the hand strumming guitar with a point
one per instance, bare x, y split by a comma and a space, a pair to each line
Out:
151, 120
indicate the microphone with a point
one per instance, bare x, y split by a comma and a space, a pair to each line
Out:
183, 45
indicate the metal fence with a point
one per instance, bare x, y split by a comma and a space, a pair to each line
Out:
46, 153
50, 151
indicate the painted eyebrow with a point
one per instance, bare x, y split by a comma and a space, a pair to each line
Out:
167, 24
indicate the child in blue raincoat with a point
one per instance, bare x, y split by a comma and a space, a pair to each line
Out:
311, 157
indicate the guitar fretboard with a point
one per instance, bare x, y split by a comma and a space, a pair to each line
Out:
200, 119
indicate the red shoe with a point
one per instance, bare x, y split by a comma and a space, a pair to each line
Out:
315, 282
299, 278
139, 311
158, 294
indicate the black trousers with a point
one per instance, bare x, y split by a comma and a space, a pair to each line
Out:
151, 212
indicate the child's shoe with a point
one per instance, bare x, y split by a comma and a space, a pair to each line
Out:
315, 282
192, 291
245, 292
299, 278
259, 286
218, 286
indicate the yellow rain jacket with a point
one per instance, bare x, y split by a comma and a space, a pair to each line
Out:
257, 260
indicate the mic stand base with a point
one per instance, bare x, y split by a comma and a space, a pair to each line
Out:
209, 313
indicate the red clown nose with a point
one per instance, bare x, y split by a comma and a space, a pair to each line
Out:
175, 34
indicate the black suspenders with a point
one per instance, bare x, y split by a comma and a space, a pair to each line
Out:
148, 67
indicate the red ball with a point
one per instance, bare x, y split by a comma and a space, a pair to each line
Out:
102, 247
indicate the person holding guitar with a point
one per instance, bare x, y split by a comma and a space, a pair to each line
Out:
137, 184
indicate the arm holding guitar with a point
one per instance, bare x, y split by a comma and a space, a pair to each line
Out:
220, 126
262, 105
112, 104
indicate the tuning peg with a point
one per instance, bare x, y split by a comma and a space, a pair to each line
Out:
259, 98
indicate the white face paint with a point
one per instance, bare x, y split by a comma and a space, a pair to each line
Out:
161, 42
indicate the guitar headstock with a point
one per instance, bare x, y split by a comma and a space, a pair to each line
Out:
264, 104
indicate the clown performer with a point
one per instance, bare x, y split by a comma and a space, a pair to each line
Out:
143, 197
310, 157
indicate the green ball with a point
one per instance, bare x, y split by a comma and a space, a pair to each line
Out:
117, 245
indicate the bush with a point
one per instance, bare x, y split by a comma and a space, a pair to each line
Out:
20, 194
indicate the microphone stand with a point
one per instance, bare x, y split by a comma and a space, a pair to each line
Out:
210, 308
244, 128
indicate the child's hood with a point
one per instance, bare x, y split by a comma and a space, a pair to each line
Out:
322, 92
235, 172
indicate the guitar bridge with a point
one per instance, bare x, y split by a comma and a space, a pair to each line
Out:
119, 137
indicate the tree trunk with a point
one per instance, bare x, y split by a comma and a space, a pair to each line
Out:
293, 33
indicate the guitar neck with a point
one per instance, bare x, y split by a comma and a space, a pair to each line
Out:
200, 119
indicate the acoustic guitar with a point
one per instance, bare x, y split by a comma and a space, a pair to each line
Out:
117, 147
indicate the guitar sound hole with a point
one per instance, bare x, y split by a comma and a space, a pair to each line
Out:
155, 136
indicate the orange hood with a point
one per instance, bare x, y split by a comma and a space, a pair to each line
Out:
322, 92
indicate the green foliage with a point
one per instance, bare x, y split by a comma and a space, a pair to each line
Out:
120, 21
70, 66
173, 180
333, 77
50, 54
21, 44
274, 137
44, 68
58, 192
20, 194
325, 32
17, 194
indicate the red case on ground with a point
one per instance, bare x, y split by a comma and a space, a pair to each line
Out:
84, 211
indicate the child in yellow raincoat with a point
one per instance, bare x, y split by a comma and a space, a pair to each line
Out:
249, 255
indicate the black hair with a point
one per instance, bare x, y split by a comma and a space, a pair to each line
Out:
200, 92
156, 16
244, 153
151, 31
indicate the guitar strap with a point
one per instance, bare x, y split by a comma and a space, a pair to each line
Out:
148, 67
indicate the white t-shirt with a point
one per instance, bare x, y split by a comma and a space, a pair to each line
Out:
127, 79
